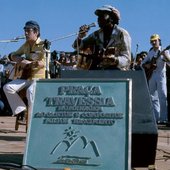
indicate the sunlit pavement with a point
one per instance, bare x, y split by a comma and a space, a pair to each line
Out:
12, 144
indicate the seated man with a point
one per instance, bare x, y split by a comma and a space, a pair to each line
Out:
30, 58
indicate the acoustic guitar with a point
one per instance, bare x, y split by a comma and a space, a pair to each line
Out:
152, 63
84, 61
91, 61
24, 71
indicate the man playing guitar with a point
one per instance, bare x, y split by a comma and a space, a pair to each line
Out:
110, 45
30, 56
155, 67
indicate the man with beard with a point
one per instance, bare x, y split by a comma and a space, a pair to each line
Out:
110, 46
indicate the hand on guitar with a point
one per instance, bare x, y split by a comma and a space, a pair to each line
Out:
31, 64
24, 63
36, 64
109, 51
109, 61
166, 56
149, 65
109, 57
24, 69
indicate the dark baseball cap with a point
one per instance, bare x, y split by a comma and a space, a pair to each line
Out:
32, 24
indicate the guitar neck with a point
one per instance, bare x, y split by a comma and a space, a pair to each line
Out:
161, 52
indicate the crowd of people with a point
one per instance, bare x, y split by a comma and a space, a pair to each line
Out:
108, 48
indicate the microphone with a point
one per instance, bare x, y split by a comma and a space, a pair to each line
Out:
91, 25
85, 28
19, 37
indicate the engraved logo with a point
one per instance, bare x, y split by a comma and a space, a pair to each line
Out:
72, 137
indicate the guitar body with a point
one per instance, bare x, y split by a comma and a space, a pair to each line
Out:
89, 60
152, 63
149, 72
84, 62
26, 73
23, 72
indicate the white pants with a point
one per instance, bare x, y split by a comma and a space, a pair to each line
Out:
158, 92
11, 90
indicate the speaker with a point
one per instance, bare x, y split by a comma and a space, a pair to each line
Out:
144, 128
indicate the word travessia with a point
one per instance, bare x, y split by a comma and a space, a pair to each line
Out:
80, 101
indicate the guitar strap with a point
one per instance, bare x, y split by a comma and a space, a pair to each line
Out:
159, 52
157, 55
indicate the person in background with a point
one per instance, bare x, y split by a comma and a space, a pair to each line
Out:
136, 65
30, 58
1, 101
110, 45
155, 69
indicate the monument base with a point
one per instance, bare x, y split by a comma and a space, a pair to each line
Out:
143, 154
144, 128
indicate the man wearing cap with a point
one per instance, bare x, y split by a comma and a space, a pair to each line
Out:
31, 58
110, 45
155, 67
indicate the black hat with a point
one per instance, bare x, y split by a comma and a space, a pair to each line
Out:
32, 24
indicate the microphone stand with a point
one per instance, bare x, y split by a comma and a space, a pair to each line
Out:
134, 62
64, 37
55, 65
74, 34
8, 41
48, 43
47, 51
16, 39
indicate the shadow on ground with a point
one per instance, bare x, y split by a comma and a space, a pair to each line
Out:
11, 158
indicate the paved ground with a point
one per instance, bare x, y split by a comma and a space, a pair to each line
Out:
12, 144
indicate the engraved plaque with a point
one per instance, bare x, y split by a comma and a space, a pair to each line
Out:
83, 124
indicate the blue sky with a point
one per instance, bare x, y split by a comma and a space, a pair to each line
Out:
60, 18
